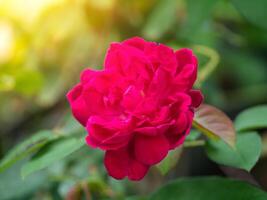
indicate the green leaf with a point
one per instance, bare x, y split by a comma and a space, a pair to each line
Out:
252, 118
197, 13
208, 188
170, 161
161, 19
244, 156
54, 152
214, 123
193, 135
254, 11
29, 146
13, 187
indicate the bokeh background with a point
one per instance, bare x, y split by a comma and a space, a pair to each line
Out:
44, 44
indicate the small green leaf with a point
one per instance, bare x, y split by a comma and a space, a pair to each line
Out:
29, 146
208, 188
54, 152
161, 19
215, 124
254, 11
252, 118
244, 156
193, 135
170, 161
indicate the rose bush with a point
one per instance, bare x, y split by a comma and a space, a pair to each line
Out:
140, 106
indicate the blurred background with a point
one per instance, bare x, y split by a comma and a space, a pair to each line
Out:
44, 44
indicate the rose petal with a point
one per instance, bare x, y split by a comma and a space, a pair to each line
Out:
78, 106
89, 74
110, 133
185, 56
186, 77
119, 164
150, 150
197, 97
135, 42
176, 134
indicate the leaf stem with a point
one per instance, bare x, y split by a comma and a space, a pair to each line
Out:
194, 143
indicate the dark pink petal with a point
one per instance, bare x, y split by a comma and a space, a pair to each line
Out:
116, 59
137, 170
176, 134
150, 150
186, 77
78, 106
89, 74
94, 101
185, 56
161, 56
120, 164
197, 97
135, 42
110, 133
180, 102
117, 163
132, 97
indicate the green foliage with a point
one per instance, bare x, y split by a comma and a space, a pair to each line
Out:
252, 118
161, 19
24, 149
52, 153
254, 11
197, 13
170, 161
13, 187
193, 135
208, 188
245, 155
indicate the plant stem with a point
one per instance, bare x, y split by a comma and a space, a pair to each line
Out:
194, 143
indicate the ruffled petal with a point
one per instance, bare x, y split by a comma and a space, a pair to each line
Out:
197, 97
185, 56
136, 42
119, 164
176, 134
185, 79
78, 106
111, 133
150, 150
89, 74
161, 56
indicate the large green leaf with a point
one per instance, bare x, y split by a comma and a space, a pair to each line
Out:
208, 188
13, 187
244, 156
161, 19
254, 11
52, 153
252, 118
214, 123
29, 146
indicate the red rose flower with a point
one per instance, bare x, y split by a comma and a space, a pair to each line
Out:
140, 106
